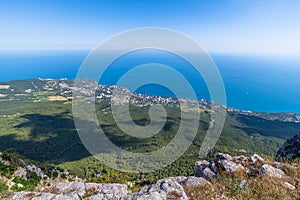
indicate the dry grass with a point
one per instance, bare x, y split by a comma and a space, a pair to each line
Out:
257, 187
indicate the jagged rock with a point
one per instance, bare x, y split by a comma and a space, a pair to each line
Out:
203, 169
37, 170
208, 170
179, 179
240, 159
209, 174
230, 166
65, 188
290, 149
77, 190
289, 186
226, 162
202, 164
195, 181
21, 172
44, 196
26, 196
168, 188
68, 196
164, 189
256, 158
271, 171
223, 156
95, 197
107, 191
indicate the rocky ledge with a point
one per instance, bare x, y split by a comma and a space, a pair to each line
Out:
290, 149
207, 172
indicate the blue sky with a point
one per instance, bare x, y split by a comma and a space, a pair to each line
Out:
229, 26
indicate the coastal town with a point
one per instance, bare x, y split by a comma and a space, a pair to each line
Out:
63, 90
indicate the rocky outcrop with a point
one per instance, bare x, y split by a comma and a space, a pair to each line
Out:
76, 190
224, 162
290, 149
35, 169
232, 164
227, 163
106, 191
164, 189
168, 188
20, 172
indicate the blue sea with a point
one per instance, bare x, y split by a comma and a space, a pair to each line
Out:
258, 83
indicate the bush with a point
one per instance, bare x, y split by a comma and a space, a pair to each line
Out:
63, 176
54, 175
28, 184
3, 188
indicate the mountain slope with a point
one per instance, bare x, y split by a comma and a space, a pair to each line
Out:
36, 120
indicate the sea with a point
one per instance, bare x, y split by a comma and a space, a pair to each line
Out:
263, 83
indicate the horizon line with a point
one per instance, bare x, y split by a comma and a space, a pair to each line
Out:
91, 49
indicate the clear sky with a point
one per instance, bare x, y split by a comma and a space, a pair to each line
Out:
230, 26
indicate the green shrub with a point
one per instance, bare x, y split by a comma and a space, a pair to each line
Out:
63, 176
54, 175
28, 184
3, 188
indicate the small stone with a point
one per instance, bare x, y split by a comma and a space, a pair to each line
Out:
289, 186
243, 184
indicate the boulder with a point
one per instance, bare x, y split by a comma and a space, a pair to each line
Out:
203, 169
269, 170
225, 161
